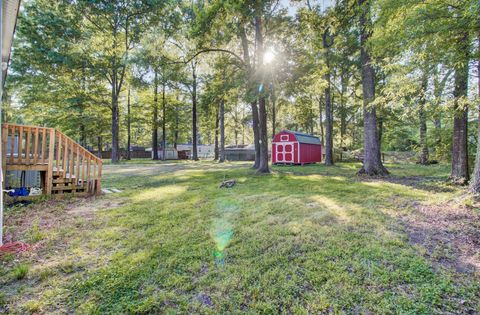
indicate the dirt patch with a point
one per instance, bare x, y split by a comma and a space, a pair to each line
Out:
450, 234
431, 184
88, 209
23, 222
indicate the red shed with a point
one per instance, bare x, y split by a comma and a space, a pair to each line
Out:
291, 147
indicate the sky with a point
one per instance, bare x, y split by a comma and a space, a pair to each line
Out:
292, 7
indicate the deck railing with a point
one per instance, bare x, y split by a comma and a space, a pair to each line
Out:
49, 150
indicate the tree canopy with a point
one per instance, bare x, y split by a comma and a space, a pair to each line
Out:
366, 76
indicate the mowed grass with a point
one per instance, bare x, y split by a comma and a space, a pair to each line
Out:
310, 239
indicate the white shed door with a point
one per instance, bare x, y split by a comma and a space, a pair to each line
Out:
284, 152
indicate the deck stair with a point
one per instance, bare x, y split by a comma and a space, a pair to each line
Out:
66, 167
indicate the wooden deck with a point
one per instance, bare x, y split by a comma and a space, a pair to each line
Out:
65, 166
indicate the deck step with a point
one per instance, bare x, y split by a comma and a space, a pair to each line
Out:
64, 165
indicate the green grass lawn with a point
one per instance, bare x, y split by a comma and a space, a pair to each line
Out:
310, 239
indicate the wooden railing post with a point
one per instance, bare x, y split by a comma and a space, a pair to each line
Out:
20, 144
51, 152
35, 147
12, 145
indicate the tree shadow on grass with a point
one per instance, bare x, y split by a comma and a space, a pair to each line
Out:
318, 234
312, 242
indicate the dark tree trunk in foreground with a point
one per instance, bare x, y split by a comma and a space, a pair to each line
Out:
475, 183
194, 113
217, 121
129, 130
256, 136
263, 139
115, 128
423, 121
372, 162
250, 70
343, 111
155, 118
164, 119
221, 157
320, 109
116, 78
262, 112
460, 174
328, 104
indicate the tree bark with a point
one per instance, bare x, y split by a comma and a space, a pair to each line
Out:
99, 146
217, 121
155, 117
328, 105
221, 157
115, 128
83, 135
175, 136
322, 132
274, 111
116, 87
256, 136
253, 103
475, 183
372, 163
423, 121
129, 130
164, 129
194, 114
343, 112
262, 112
460, 174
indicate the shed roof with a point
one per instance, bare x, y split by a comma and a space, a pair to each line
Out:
304, 137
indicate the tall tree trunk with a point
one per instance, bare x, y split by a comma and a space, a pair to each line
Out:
155, 117
343, 112
164, 118
423, 121
217, 121
243, 125
328, 104
256, 133
83, 135
99, 146
437, 123
274, 110
221, 157
194, 114
250, 70
175, 135
460, 174
114, 104
115, 128
372, 163
129, 129
475, 183
322, 132
262, 112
